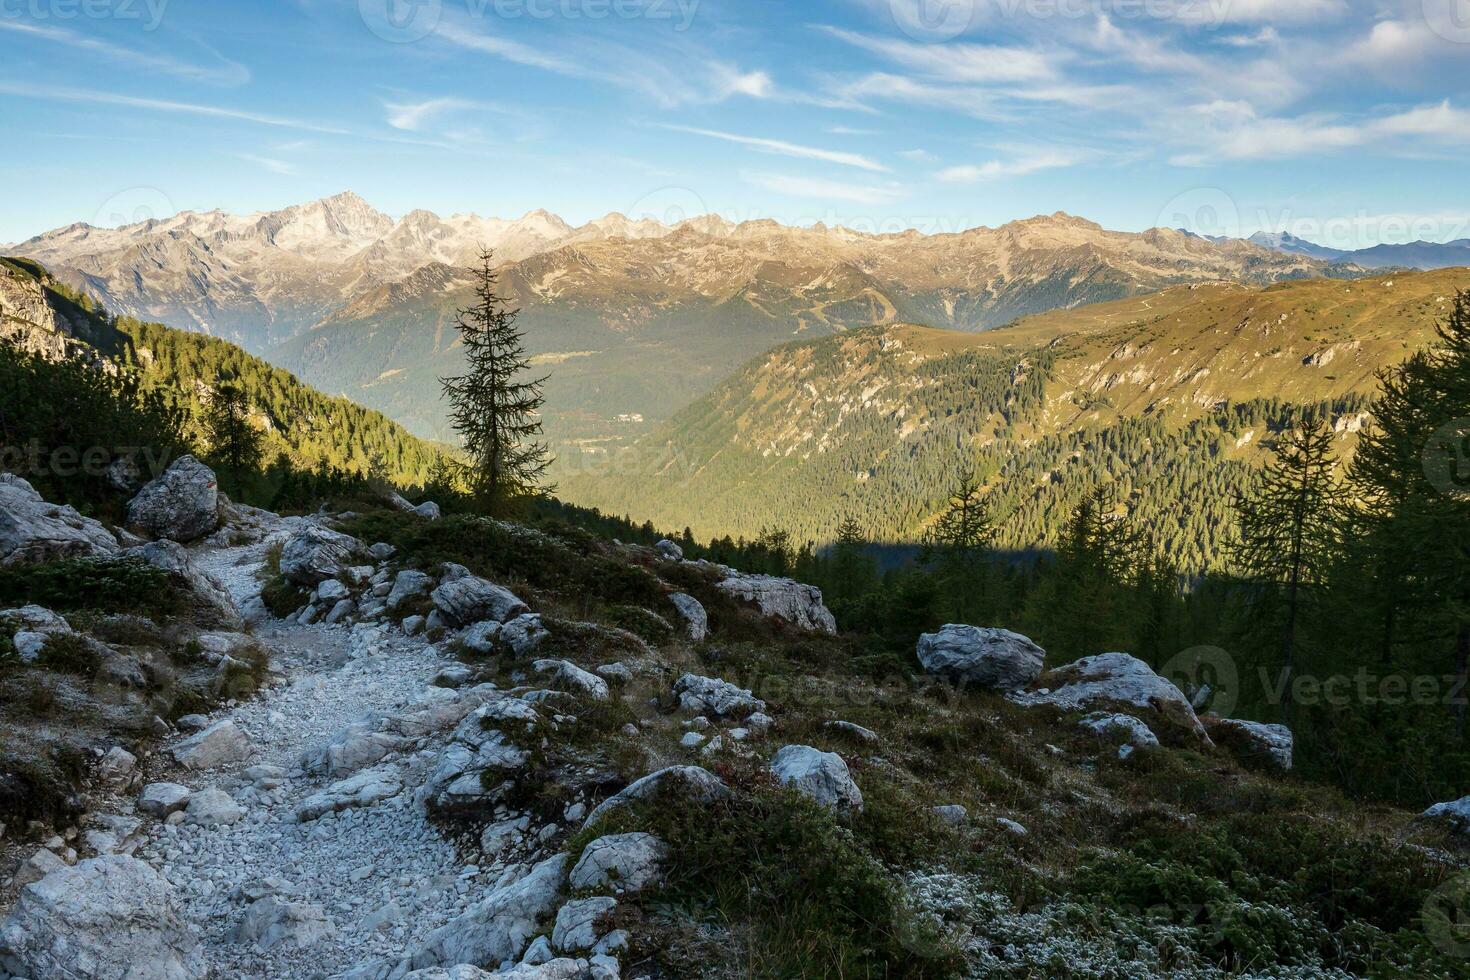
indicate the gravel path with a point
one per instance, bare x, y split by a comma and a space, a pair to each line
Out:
377, 878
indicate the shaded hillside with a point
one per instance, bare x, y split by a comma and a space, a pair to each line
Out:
1171, 407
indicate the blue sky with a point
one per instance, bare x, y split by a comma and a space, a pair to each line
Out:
1345, 121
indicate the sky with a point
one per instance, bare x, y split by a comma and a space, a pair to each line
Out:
1344, 121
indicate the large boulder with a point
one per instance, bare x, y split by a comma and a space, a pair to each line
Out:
573, 679
1119, 729
207, 590
625, 862
477, 768
1455, 814
33, 530
220, 743
524, 634
107, 918
315, 553
784, 599
1109, 681
579, 923
821, 775
408, 584
691, 611
463, 598
181, 505
698, 784
713, 697
1253, 741
996, 659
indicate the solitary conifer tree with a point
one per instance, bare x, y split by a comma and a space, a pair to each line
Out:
495, 413
235, 444
1288, 530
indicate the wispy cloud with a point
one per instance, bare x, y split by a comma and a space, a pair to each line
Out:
268, 163
822, 189
783, 148
95, 97
1233, 131
955, 62
226, 72
412, 115
1017, 166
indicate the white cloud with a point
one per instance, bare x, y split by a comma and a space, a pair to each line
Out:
783, 148
94, 97
756, 84
918, 156
412, 115
1018, 166
956, 62
269, 163
1392, 44
815, 187
1232, 131
225, 73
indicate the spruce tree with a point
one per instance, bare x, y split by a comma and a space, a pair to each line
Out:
1412, 473
1288, 531
235, 444
495, 412
852, 573
958, 545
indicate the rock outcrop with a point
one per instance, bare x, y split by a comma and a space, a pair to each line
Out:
625, 862
1109, 680
715, 698
464, 598
1252, 741
107, 918
784, 599
33, 530
995, 659
315, 553
181, 505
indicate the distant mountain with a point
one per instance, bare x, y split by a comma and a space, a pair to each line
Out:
1168, 397
631, 329
1415, 255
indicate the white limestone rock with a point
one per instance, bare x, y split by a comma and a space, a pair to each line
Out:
1252, 740
711, 696
697, 783
785, 599
573, 678
315, 553
995, 659
1114, 679
219, 744
622, 862
821, 775
578, 923
691, 611
363, 789
181, 505
463, 598
33, 530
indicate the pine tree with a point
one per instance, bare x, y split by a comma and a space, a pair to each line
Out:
959, 546
852, 573
236, 445
1412, 471
1288, 531
495, 414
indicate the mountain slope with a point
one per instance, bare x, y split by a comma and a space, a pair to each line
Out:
310, 428
1413, 255
635, 328
879, 424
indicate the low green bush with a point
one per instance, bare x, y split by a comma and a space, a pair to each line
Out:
113, 585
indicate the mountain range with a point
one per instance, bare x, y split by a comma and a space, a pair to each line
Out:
1413, 255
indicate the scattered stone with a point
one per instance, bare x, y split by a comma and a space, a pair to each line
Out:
216, 745
625, 862
696, 620
408, 584
669, 550
116, 765
499, 837
524, 634
1120, 729
428, 510
712, 696
482, 637
1253, 741
273, 921
107, 918
694, 782
315, 553
952, 814
464, 598
382, 551
1455, 813
617, 673
161, 799
577, 923
759, 723
181, 505
364, 789
1006, 823
212, 807
574, 678
37, 866
331, 590
821, 775
340, 611
413, 625
994, 659
454, 675
692, 740
173, 558
856, 731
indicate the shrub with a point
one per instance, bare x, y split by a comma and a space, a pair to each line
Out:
99, 584
635, 619
70, 653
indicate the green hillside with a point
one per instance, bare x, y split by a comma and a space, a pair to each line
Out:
1169, 400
